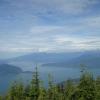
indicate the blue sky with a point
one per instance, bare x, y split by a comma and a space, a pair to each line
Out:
48, 26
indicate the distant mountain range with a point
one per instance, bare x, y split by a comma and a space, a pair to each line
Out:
72, 59
6, 69
28, 62
91, 59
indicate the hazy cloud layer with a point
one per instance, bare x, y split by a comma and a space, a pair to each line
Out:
49, 26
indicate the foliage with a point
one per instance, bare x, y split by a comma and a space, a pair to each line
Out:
87, 88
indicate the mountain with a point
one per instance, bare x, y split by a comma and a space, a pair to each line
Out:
90, 58
2, 61
27, 62
46, 57
69, 59
6, 69
9, 74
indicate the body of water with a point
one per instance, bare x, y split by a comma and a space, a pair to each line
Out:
59, 74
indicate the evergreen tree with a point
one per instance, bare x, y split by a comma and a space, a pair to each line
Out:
35, 86
27, 92
97, 88
19, 91
68, 90
86, 87
53, 90
0, 97
42, 95
12, 92
16, 92
50, 88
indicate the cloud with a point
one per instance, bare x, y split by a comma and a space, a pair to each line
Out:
51, 7
53, 30
92, 24
78, 43
52, 38
49, 25
62, 43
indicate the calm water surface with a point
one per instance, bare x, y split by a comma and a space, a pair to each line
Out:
59, 74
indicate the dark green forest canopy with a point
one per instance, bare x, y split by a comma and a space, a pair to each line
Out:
87, 88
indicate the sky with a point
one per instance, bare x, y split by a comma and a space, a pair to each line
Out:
28, 26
